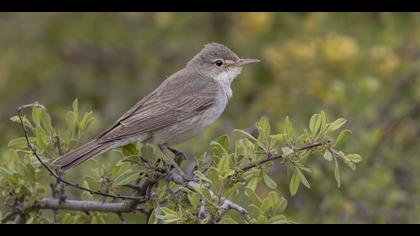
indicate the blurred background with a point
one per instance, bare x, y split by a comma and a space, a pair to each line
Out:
360, 66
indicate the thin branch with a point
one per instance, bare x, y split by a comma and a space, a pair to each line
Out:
75, 205
391, 128
20, 219
229, 205
53, 173
8, 216
273, 158
57, 144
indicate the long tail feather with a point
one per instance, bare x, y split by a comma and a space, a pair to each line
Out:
81, 154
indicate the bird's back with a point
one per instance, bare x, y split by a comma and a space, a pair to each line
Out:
182, 96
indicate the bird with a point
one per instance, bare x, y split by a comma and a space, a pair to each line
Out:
181, 107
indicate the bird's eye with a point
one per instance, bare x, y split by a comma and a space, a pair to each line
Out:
219, 63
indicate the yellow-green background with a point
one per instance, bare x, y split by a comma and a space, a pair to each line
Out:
361, 66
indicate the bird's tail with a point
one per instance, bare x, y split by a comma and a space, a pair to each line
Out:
81, 154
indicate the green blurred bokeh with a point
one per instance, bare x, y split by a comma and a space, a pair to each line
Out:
361, 66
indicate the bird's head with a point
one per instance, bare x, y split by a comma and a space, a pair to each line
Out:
219, 62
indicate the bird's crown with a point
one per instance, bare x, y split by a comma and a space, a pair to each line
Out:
213, 51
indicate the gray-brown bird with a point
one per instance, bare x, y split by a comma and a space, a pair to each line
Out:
184, 105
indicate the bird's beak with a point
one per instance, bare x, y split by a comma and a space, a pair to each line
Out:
243, 62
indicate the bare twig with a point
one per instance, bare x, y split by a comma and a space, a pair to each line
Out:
57, 144
75, 205
391, 128
273, 158
8, 216
228, 205
20, 219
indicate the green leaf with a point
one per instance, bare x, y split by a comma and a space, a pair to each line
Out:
202, 176
337, 172
265, 205
228, 220
20, 143
126, 178
306, 169
67, 219
41, 138
76, 108
153, 216
86, 120
254, 210
337, 124
313, 124
170, 216
232, 190
356, 158
294, 183
245, 134
30, 174
277, 203
36, 115
217, 145
168, 211
252, 184
194, 199
205, 193
26, 122
224, 141
253, 196
328, 155
224, 164
263, 125
71, 120
262, 219
269, 181
215, 178
130, 150
46, 123
147, 152
279, 219
288, 127
278, 137
86, 196
351, 165
282, 204
303, 179
342, 136
322, 120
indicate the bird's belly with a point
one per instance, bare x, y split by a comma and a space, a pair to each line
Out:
189, 128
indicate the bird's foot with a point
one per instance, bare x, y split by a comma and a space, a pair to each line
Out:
171, 160
178, 153
180, 156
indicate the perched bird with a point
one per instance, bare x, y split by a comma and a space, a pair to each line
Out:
184, 105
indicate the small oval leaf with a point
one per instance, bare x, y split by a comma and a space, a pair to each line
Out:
294, 183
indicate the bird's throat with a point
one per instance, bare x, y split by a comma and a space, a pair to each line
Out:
226, 78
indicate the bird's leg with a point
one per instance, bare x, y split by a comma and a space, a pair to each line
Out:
164, 149
168, 179
177, 152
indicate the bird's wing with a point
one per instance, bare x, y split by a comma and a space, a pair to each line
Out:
174, 101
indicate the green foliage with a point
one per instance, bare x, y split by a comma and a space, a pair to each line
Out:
235, 171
